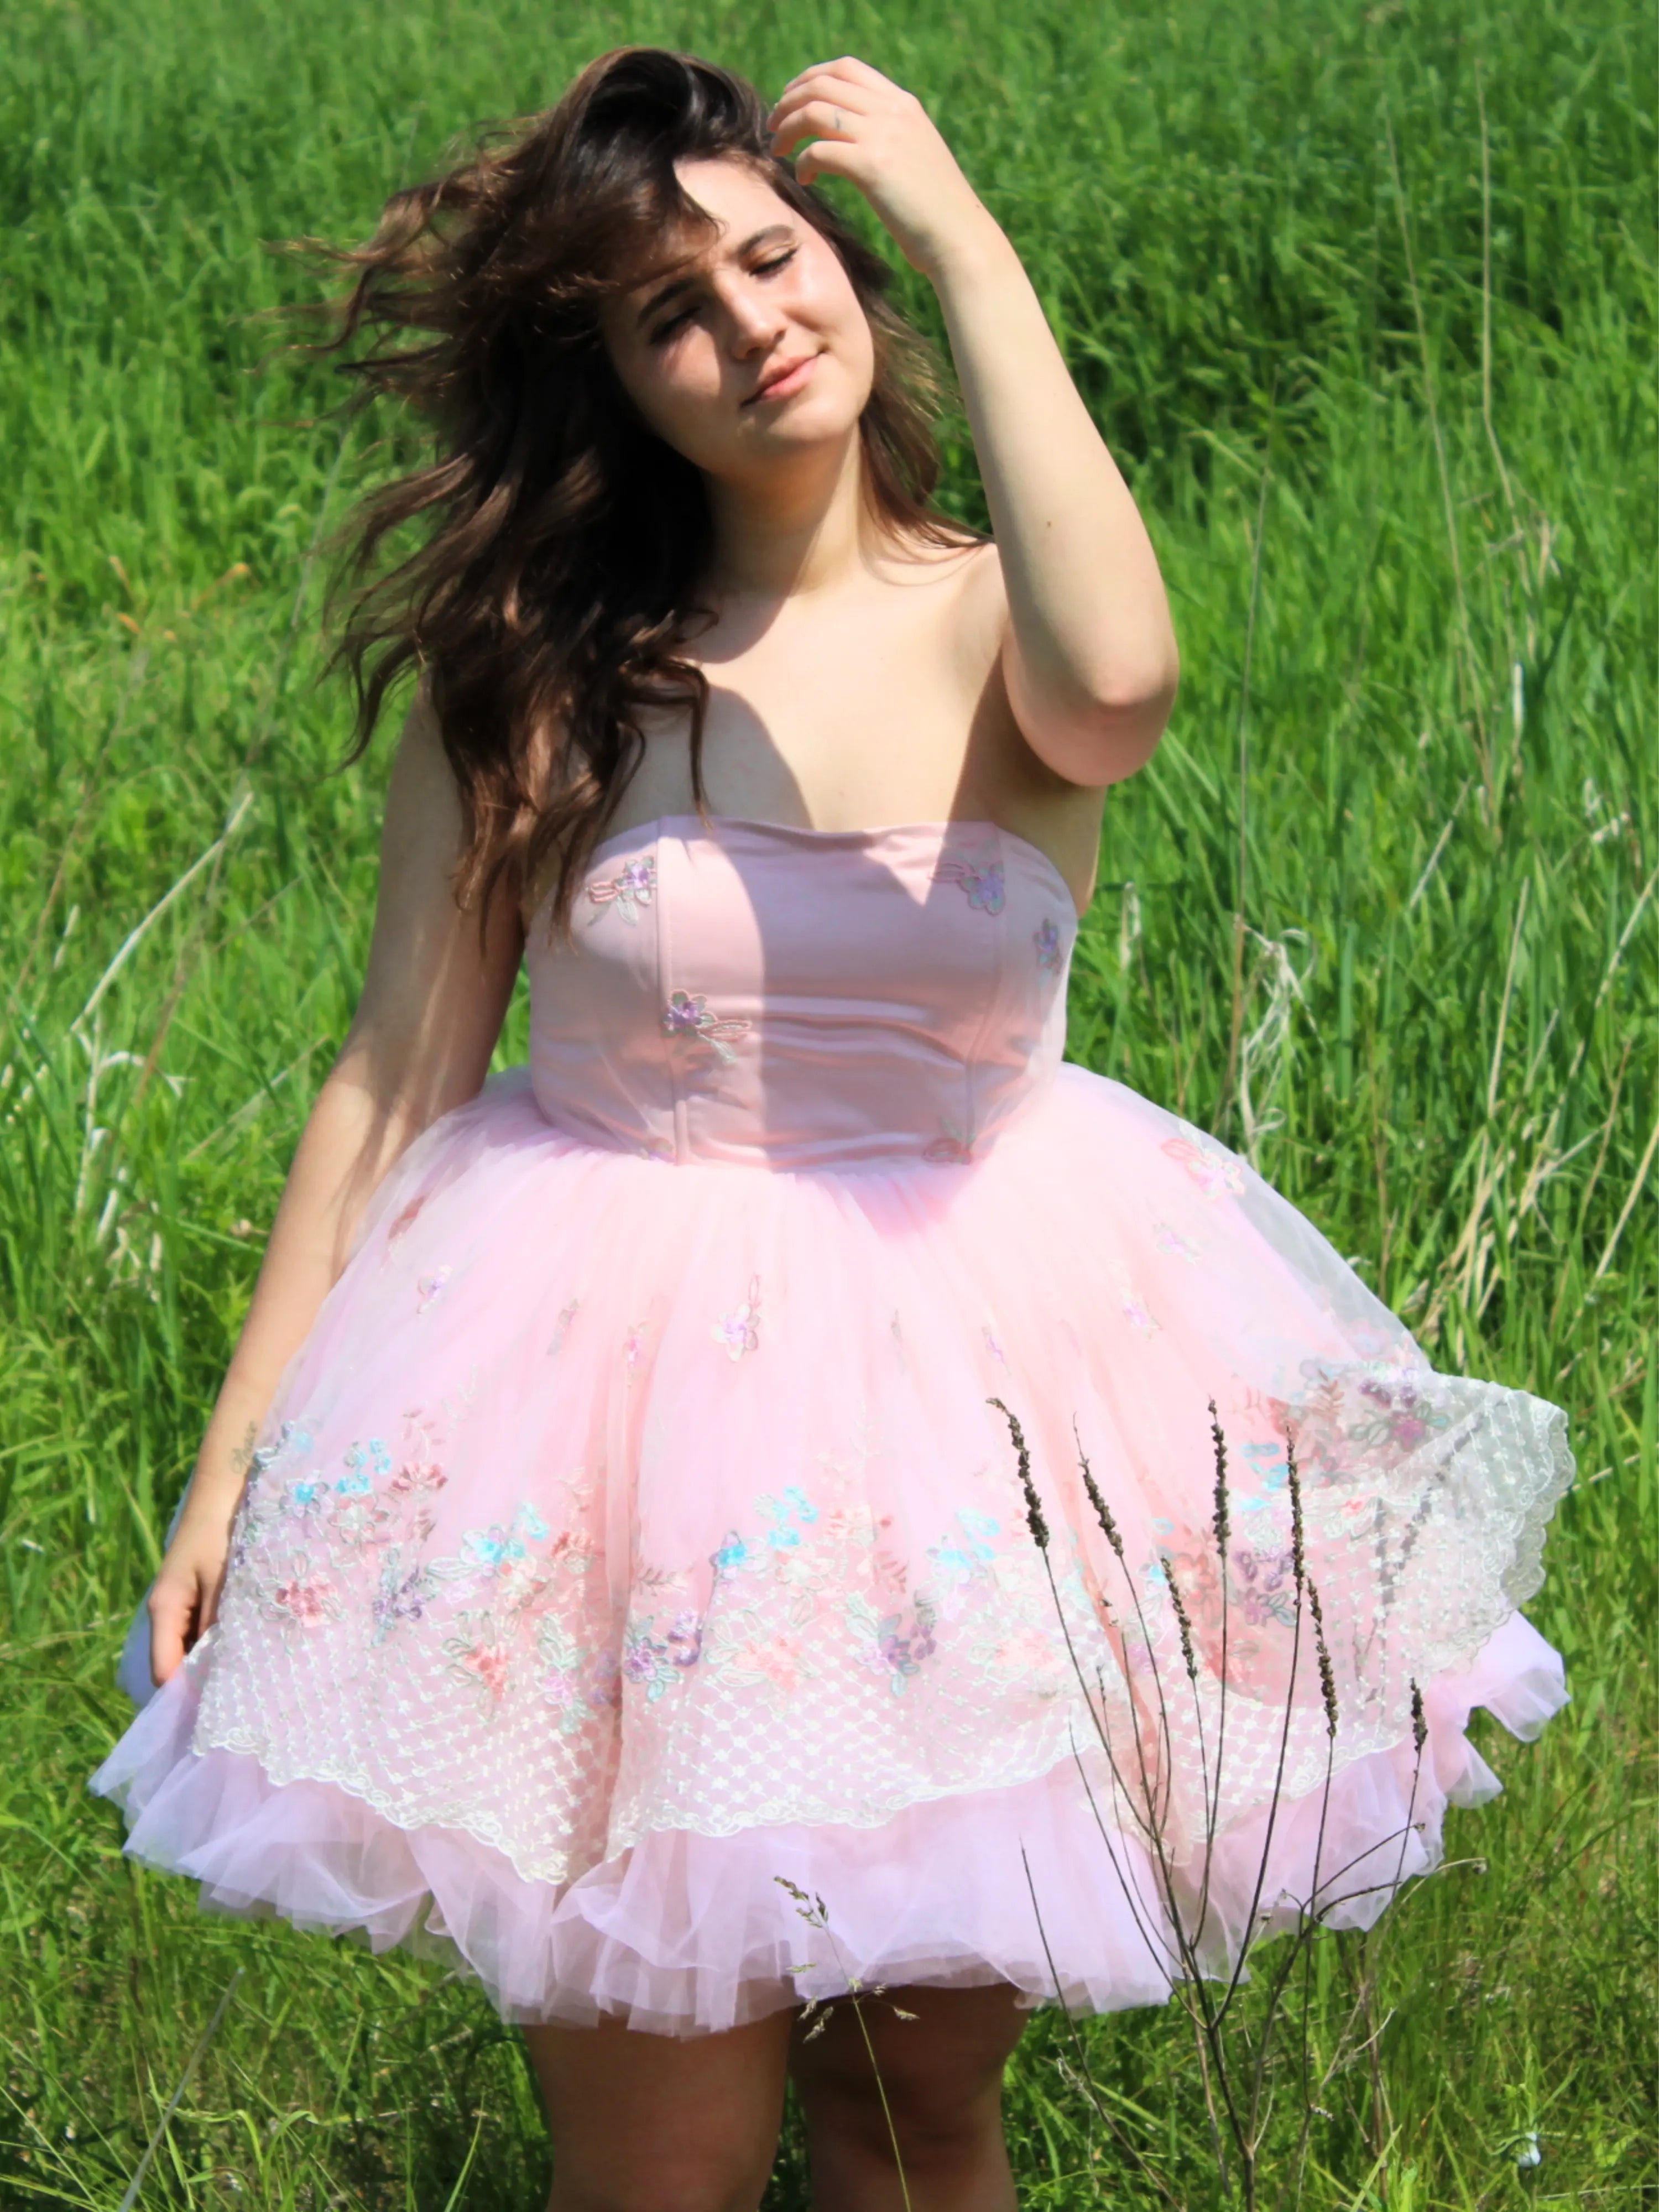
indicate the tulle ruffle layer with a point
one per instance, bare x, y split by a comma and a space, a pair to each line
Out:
628, 1534
688, 1933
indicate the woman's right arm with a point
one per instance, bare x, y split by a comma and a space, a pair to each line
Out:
432, 1007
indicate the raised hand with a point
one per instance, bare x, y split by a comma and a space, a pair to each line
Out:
859, 124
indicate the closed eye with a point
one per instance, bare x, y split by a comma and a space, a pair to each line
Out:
666, 331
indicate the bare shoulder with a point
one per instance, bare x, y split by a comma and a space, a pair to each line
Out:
424, 813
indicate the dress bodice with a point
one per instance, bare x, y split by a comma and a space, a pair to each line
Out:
748, 994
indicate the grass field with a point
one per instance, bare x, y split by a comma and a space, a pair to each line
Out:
1364, 298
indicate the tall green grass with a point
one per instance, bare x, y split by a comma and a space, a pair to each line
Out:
1364, 298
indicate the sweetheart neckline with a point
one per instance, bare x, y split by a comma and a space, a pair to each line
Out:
648, 832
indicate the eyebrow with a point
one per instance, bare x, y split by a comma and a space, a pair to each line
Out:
678, 284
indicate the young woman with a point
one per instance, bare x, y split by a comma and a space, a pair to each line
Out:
634, 1588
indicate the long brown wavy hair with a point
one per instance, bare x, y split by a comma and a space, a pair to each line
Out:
550, 602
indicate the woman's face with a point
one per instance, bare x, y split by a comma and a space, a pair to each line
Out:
756, 347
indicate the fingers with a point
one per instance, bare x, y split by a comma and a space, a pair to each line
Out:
815, 118
835, 95
847, 70
829, 157
177, 1617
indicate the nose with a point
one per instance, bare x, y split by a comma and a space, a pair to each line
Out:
753, 323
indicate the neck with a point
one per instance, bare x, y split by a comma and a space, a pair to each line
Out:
800, 526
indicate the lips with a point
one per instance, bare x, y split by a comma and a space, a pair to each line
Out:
787, 379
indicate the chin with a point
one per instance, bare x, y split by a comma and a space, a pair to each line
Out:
817, 417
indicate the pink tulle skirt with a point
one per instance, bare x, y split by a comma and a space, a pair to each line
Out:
630, 1542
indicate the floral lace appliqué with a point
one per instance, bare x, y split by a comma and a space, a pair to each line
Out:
1211, 1165
1047, 941
1170, 1240
656, 1662
631, 887
738, 1332
896, 1644
984, 886
687, 1015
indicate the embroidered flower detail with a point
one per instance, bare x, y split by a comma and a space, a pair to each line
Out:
959, 1562
752, 1658
308, 1600
1264, 1586
400, 1596
485, 1662
734, 1555
578, 1684
562, 1328
629, 890
789, 1515
291, 1439
1402, 1420
1211, 1166
901, 1642
1135, 1313
416, 1476
655, 1663
363, 1463
687, 1015
496, 1549
1047, 941
984, 886
1170, 1240
1270, 1464
430, 1288
739, 1332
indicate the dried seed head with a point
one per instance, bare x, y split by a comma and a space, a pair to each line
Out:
1038, 1526
1102, 1511
1294, 1478
1178, 1605
1327, 1672
1419, 1723
1223, 1519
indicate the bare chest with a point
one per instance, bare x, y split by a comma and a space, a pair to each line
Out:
871, 711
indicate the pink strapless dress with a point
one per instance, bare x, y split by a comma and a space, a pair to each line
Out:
633, 1530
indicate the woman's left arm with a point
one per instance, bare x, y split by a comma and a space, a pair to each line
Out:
1088, 655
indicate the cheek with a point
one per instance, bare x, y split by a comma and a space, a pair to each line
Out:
830, 305
676, 393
